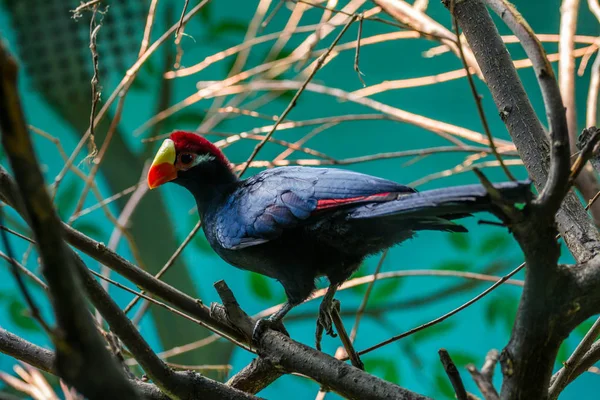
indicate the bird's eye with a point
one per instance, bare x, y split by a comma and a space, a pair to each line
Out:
186, 159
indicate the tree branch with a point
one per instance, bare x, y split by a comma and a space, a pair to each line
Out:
290, 356
179, 385
554, 190
483, 378
523, 125
453, 375
44, 360
551, 304
82, 359
286, 354
256, 376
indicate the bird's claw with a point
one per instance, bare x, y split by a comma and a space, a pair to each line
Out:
325, 321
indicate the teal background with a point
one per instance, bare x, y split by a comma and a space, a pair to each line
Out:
411, 362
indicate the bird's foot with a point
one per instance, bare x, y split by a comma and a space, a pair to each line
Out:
325, 321
263, 324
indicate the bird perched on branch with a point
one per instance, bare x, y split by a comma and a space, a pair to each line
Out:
295, 224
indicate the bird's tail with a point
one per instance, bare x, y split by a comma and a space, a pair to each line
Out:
435, 208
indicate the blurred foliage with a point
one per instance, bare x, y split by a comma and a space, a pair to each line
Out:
459, 241
383, 367
20, 315
67, 198
259, 286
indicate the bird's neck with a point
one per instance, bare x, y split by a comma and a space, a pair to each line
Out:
210, 186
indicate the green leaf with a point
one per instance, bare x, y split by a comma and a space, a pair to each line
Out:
384, 289
228, 26
286, 96
20, 316
190, 118
454, 265
66, 199
584, 327
494, 242
443, 385
360, 272
433, 331
205, 13
259, 285
502, 309
148, 68
139, 84
385, 368
89, 228
228, 64
459, 241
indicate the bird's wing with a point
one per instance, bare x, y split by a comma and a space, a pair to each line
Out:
283, 198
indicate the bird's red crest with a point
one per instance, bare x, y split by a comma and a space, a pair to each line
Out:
194, 143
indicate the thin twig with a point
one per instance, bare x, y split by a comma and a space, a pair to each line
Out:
346, 285
440, 128
566, 66
453, 375
181, 23
357, 54
84, 6
123, 220
23, 269
146, 297
94, 29
104, 202
477, 97
345, 339
170, 262
563, 376
483, 378
148, 27
272, 14
292, 103
445, 316
365, 299
15, 269
125, 83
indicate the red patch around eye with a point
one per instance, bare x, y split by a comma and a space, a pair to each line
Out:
332, 203
194, 143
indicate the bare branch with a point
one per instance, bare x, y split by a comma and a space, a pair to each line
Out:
453, 375
483, 378
554, 189
180, 385
564, 376
79, 343
317, 66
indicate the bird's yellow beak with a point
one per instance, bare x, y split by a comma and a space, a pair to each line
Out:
163, 168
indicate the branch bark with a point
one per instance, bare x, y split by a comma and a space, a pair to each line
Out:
44, 360
552, 303
484, 378
82, 359
179, 385
525, 128
283, 353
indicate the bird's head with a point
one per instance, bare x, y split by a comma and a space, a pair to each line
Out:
189, 160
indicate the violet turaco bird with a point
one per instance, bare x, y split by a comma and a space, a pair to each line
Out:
296, 224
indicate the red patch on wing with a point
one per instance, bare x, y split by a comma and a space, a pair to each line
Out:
332, 203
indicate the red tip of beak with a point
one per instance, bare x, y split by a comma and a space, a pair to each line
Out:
161, 173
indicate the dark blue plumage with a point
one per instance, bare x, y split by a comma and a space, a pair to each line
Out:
295, 224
